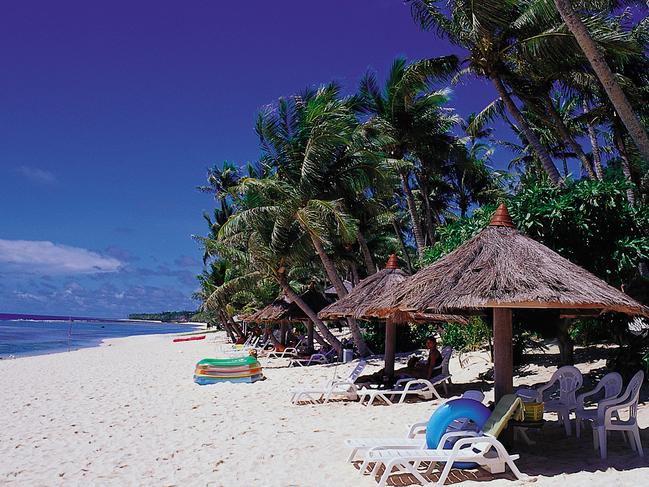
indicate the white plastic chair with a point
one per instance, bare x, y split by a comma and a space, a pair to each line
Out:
338, 386
609, 417
570, 380
611, 384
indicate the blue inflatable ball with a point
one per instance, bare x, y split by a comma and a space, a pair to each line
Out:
450, 411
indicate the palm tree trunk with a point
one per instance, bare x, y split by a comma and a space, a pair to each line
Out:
567, 137
341, 291
618, 140
541, 152
329, 267
605, 76
235, 327
322, 328
428, 213
404, 250
565, 167
414, 216
597, 156
226, 326
354, 271
367, 255
318, 338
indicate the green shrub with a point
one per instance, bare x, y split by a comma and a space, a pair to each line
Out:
589, 331
466, 338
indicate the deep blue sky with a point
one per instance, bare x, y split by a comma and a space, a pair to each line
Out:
112, 111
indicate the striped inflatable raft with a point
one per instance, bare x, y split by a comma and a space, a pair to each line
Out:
241, 369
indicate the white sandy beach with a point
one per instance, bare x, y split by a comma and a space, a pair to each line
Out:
128, 413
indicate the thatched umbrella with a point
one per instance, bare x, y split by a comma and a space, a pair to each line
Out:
502, 269
284, 311
374, 293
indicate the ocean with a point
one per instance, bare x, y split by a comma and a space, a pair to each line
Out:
32, 337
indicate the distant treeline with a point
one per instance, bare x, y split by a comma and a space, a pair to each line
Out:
168, 316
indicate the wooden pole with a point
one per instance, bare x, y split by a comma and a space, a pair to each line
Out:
283, 330
503, 353
390, 347
309, 335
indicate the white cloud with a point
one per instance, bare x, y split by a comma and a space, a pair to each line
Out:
47, 258
37, 175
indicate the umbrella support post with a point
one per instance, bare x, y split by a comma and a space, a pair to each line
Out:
309, 336
390, 348
503, 353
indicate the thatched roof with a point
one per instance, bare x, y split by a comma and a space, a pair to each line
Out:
283, 310
502, 268
331, 290
374, 293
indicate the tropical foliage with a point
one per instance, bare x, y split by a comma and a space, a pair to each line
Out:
344, 180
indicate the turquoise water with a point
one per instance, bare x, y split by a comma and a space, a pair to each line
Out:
20, 338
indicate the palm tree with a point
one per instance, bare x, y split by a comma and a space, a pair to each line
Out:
318, 152
410, 115
221, 181
487, 30
605, 75
266, 240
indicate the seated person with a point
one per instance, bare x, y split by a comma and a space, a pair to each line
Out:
416, 368
422, 370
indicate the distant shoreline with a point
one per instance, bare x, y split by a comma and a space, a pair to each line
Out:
36, 318
29, 336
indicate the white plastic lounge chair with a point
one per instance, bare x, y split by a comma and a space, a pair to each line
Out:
288, 352
420, 428
405, 387
570, 380
249, 344
416, 434
481, 448
316, 358
608, 418
336, 387
611, 384
443, 369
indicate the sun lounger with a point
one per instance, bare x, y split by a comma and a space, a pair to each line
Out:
482, 448
337, 387
288, 352
316, 358
420, 428
414, 439
404, 387
247, 344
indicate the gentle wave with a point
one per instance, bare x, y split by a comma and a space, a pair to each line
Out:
28, 337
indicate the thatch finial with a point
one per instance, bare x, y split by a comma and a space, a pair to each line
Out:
501, 218
393, 263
